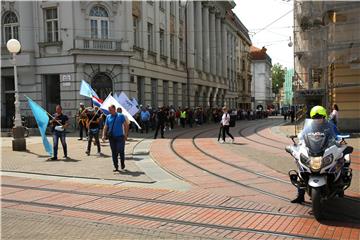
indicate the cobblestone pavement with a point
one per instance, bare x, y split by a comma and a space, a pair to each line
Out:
19, 225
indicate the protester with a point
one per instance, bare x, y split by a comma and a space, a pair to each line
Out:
82, 121
116, 127
93, 124
58, 126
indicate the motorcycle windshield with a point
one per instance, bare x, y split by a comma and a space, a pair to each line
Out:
318, 135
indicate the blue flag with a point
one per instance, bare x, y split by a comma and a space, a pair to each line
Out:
86, 90
42, 120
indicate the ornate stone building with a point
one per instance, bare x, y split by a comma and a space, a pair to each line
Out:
159, 52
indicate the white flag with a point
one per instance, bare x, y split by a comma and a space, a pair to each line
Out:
110, 100
127, 103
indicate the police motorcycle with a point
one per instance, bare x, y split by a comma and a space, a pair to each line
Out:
323, 159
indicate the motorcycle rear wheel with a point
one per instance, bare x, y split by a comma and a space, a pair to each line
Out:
316, 203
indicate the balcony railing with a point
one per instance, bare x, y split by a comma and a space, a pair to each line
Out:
99, 44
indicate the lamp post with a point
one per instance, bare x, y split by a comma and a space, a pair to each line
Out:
19, 142
184, 4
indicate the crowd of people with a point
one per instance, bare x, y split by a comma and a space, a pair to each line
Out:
114, 127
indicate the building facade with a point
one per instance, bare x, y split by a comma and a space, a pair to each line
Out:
262, 95
160, 52
327, 57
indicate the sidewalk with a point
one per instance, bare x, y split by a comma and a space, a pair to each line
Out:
140, 169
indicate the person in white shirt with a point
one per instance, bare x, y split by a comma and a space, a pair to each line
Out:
334, 115
225, 123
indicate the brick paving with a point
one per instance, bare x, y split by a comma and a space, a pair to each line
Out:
212, 208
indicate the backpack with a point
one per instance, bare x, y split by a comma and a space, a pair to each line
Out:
232, 120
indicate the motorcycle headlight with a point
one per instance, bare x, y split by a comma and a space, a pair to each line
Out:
327, 160
304, 159
315, 163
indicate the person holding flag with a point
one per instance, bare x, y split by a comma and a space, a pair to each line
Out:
116, 127
58, 125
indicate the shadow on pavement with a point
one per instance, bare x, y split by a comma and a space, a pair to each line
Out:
345, 210
68, 159
40, 156
134, 173
133, 158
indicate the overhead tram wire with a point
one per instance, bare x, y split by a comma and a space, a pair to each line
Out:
274, 21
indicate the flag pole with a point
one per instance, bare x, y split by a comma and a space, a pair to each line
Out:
46, 111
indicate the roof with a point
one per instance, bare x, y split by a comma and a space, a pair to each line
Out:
241, 29
259, 54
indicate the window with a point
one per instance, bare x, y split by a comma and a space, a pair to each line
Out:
184, 94
141, 89
52, 25
11, 26
99, 23
172, 46
162, 42
136, 31
181, 49
150, 37
162, 5
153, 92
175, 94
172, 8
166, 93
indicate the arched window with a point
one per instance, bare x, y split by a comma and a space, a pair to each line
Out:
11, 26
99, 22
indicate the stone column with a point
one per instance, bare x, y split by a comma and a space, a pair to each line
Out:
167, 31
177, 33
129, 25
212, 43
190, 35
156, 30
143, 29
199, 36
206, 38
218, 47
224, 48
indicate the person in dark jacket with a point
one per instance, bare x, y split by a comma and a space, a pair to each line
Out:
160, 124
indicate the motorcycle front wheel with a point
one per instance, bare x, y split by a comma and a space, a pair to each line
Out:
316, 203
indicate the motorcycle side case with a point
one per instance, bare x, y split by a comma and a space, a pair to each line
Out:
317, 181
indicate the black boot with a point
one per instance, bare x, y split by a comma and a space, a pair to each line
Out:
299, 199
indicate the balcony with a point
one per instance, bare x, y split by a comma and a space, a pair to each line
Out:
100, 46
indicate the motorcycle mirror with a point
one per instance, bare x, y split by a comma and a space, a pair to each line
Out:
348, 150
292, 138
288, 149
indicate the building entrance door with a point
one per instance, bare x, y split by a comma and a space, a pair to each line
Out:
8, 101
102, 85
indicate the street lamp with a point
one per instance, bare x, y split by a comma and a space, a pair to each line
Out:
184, 3
19, 142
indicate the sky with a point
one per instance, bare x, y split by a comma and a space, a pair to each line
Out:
257, 15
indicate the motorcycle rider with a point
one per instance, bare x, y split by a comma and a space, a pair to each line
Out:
318, 113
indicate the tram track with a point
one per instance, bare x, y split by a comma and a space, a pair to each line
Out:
240, 168
158, 201
163, 220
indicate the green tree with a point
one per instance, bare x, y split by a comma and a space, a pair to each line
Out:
278, 77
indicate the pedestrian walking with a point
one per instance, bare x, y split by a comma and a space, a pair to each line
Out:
116, 127
161, 118
145, 120
93, 124
334, 115
225, 123
82, 121
58, 126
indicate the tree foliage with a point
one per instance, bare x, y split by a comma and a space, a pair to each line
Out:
278, 77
